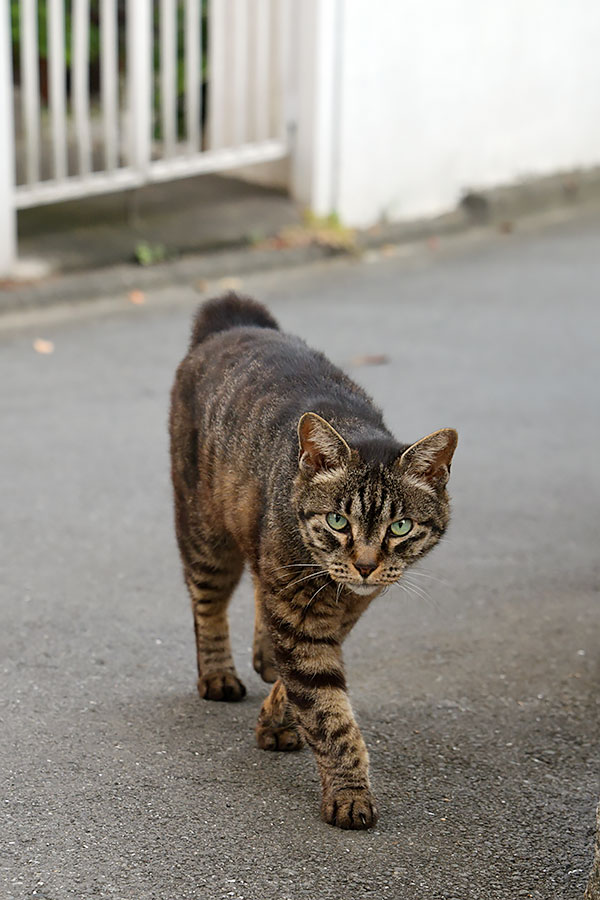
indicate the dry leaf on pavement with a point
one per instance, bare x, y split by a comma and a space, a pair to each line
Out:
137, 297
371, 359
42, 346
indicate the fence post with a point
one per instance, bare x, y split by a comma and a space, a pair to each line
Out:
139, 87
315, 147
8, 212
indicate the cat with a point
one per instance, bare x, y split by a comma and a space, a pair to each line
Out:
280, 460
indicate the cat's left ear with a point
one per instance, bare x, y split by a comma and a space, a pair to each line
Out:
321, 447
429, 459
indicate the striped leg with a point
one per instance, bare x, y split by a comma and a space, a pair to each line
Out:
316, 690
263, 657
212, 563
309, 659
343, 762
210, 593
212, 566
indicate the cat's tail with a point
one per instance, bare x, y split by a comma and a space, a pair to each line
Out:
229, 311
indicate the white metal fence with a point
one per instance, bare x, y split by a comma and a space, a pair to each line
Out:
103, 95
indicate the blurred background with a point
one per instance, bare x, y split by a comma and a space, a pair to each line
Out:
361, 113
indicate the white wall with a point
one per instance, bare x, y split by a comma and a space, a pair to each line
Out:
8, 229
433, 98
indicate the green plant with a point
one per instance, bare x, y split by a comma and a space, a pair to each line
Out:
149, 254
42, 11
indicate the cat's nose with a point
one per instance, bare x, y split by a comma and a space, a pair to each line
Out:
365, 569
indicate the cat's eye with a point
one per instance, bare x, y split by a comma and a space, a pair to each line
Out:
336, 521
401, 527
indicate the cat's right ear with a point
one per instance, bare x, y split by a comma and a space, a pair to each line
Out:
321, 447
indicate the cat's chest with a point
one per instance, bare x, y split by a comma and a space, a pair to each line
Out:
353, 607
337, 609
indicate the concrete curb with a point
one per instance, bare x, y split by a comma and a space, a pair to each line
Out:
499, 209
118, 280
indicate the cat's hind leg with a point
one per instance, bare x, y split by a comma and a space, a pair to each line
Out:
212, 560
212, 565
217, 678
263, 656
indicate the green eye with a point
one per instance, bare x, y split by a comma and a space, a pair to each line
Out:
401, 527
337, 522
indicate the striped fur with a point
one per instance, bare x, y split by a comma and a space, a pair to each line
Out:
267, 438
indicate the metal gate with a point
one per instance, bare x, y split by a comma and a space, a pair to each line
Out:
104, 95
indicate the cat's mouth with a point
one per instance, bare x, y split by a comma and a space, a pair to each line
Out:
362, 589
357, 587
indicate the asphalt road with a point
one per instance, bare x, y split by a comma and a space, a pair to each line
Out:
478, 695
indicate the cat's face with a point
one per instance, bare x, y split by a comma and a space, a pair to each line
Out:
365, 522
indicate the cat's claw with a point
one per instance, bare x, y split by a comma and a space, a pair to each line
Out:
350, 809
221, 686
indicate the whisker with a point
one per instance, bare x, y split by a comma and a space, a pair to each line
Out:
298, 566
408, 579
306, 577
433, 577
418, 591
407, 590
308, 605
315, 594
417, 588
402, 588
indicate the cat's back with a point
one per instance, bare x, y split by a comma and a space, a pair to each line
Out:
243, 366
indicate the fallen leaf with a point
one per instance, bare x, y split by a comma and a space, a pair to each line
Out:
42, 346
230, 284
201, 285
325, 232
371, 359
137, 297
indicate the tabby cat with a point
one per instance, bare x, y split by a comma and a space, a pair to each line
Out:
278, 458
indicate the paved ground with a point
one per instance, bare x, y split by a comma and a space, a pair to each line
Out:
120, 783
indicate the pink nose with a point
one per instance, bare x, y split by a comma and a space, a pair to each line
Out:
365, 570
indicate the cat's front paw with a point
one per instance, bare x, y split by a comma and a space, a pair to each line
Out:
350, 808
221, 686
